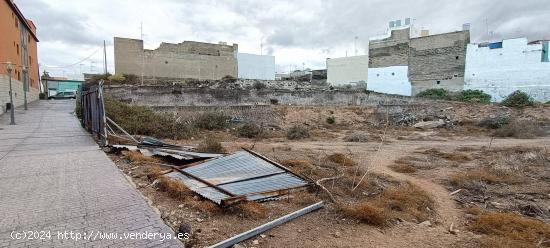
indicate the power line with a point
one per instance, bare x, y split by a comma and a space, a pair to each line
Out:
77, 63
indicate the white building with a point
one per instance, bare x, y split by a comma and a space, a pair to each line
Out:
504, 67
252, 66
390, 80
348, 70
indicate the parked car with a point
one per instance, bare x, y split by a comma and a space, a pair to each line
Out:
64, 95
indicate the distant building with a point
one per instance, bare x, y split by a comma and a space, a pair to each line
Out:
348, 70
252, 66
500, 68
404, 61
18, 45
188, 59
55, 85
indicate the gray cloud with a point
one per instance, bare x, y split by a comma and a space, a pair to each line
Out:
294, 31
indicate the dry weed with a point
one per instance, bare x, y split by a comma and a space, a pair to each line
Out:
341, 159
472, 178
403, 168
512, 229
136, 156
152, 172
404, 201
210, 144
302, 167
251, 209
454, 156
175, 188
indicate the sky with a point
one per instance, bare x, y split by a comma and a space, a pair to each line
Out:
300, 34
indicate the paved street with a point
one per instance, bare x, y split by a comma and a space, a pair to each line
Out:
54, 178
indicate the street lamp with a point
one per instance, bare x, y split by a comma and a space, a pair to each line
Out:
25, 86
9, 68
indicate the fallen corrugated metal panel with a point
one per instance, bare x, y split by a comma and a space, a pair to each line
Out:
239, 176
177, 154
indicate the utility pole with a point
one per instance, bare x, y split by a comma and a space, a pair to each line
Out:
143, 55
355, 45
104, 58
25, 86
9, 68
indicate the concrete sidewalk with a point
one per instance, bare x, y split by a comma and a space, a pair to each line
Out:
55, 179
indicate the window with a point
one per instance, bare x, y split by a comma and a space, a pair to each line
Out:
393, 73
17, 49
438, 82
16, 24
457, 57
30, 60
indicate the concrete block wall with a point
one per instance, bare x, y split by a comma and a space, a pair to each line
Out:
390, 51
348, 70
438, 61
184, 60
18, 97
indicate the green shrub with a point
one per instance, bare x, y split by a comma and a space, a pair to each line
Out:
474, 96
212, 121
331, 120
249, 130
42, 96
297, 132
435, 94
144, 121
518, 99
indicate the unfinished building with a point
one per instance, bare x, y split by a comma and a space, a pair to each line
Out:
189, 59
401, 63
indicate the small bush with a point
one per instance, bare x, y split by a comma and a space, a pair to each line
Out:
518, 99
212, 121
152, 172
331, 120
297, 132
518, 230
136, 156
211, 145
357, 137
175, 188
474, 96
298, 166
473, 178
249, 130
229, 79
42, 96
435, 94
494, 122
341, 159
368, 213
521, 129
258, 85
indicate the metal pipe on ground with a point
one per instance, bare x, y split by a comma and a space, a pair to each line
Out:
267, 226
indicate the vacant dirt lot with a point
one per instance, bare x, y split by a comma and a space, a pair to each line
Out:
456, 185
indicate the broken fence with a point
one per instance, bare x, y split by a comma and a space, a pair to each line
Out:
92, 105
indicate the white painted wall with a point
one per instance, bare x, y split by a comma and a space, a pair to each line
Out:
252, 66
390, 80
348, 70
515, 66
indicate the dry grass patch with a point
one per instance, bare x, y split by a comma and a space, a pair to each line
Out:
136, 156
175, 188
403, 168
451, 156
472, 178
341, 159
404, 201
252, 210
207, 207
512, 229
152, 172
301, 167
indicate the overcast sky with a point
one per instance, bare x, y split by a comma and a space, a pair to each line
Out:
298, 33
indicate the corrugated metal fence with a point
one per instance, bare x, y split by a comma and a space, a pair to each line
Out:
93, 112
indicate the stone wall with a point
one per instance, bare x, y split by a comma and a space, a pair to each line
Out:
178, 95
438, 61
184, 60
18, 98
